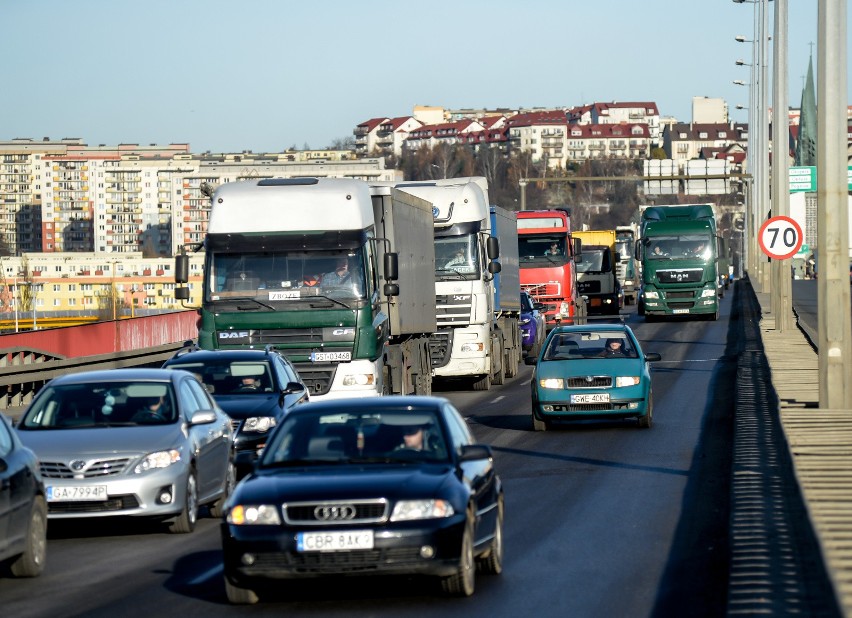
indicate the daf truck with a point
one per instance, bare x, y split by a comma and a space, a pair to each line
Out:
596, 272
477, 288
548, 253
336, 276
678, 252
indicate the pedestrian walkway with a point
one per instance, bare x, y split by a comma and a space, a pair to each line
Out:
777, 566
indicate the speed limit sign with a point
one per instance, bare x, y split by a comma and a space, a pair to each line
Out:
780, 237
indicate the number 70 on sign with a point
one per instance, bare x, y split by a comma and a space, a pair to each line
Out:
780, 237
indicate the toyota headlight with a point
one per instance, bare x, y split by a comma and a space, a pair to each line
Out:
259, 424
552, 383
254, 515
627, 381
160, 459
407, 510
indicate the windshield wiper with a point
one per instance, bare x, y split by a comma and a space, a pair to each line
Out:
246, 298
328, 298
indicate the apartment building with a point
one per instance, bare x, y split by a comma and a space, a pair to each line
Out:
685, 141
58, 197
620, 112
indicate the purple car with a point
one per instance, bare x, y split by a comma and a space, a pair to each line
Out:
533, 330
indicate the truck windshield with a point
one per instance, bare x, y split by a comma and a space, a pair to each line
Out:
540, 250
285, 276
456, 255
594, 260
682, 246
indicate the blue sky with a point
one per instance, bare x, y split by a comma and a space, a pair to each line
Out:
264, 75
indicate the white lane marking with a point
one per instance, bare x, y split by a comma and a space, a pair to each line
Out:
207, 574
499, 398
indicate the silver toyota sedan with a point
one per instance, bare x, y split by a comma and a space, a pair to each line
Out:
137, 442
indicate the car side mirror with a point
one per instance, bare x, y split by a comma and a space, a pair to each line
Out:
203, 417
530, 360
293, 387
652, 356
475, 452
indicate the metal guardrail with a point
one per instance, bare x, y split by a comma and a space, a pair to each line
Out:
23, 372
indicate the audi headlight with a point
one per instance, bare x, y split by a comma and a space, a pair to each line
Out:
254, 515
406, 510
651, 294
627, 381
552, 383
708, 292
160, 459
358, 379
473, 347
259, 424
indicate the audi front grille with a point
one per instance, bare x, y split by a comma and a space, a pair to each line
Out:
336, 512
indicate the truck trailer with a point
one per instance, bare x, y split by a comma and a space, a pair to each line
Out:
677, 248
336, 276
477, 289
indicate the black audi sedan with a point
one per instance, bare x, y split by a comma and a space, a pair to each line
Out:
388, 485
255, 388
23, 510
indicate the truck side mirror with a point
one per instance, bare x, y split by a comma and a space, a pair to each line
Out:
494, 267
182, 267
391, 266
577, 244
492, 246
182, 293
391, 289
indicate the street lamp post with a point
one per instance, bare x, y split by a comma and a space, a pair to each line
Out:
15, 302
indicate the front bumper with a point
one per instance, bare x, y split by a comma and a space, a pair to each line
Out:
137, 495
557, 405
256, 553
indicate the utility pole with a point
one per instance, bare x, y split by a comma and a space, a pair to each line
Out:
833, 308
781, 289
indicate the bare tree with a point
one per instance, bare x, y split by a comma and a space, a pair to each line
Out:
343, 143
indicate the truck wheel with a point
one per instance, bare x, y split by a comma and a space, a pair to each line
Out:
512, 362
483, 383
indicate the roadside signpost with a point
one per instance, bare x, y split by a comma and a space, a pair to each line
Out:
780, 237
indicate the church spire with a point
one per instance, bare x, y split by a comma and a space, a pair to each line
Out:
806, 144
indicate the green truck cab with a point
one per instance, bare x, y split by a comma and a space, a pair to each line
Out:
678, 251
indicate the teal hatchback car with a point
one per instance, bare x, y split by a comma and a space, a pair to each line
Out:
591, 371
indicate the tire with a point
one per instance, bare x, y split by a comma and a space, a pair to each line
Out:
498, 377
492, 563
185, 522
240, 596
218, 508
462, 583
483, 383
513, 362
31, 562
646, 420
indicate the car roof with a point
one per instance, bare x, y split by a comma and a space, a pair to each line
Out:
361, 404
198, 355
123, 374
573, 328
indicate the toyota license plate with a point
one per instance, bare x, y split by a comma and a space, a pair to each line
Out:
334, 541
591, 398
76, 494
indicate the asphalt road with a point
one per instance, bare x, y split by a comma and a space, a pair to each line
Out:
602, 518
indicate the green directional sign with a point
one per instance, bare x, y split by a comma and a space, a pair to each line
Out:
804, 179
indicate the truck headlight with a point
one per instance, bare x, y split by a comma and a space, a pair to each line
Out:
708, 292
254, 515
358, 379
627, 381
552, 383
651, 294
473, 347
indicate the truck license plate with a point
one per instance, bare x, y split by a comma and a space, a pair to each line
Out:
330, 356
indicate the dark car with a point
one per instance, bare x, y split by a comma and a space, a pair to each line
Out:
137, 442
255, 388
533, 327
23, 511
393, 485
